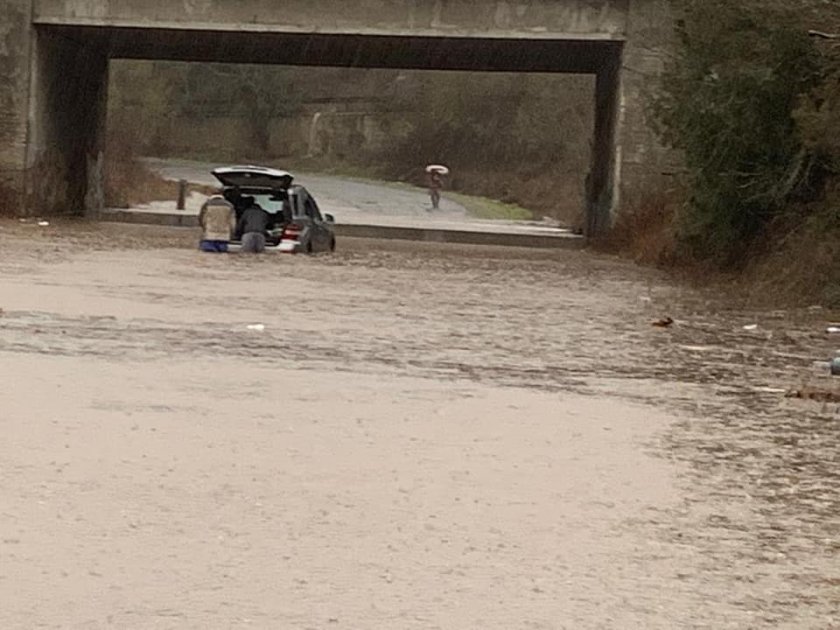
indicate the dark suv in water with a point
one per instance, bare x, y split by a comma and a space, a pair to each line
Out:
297, 223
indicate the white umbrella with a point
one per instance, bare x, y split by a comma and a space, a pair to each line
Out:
437, 168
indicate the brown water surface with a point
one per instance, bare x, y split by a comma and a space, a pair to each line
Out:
413, 435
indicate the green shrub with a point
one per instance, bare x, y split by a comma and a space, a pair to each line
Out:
727, 103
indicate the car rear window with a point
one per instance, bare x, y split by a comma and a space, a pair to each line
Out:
269, 204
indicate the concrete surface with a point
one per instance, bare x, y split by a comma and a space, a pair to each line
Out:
52, 102
456, 18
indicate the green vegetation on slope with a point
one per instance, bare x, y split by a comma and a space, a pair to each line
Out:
483, 208
752, 104
727, 104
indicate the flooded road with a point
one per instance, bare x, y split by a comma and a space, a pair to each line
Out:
402, 436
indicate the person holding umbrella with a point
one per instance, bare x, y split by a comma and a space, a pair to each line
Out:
434, 180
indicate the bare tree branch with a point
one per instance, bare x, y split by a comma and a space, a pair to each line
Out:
822, 35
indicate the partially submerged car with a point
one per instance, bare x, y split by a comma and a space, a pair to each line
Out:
297, 224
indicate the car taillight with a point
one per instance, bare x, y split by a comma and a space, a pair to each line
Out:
292, 230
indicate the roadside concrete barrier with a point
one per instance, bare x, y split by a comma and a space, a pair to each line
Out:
558, 240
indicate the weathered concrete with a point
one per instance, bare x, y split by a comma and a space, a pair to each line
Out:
464, 237
58, 143
642, 162
65, 149
601, 181
15, 44
585, 19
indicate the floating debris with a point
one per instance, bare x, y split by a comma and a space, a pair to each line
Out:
769, 390
817, 395
665, 322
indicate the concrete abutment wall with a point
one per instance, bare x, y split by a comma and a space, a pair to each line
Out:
65, 149
644, 163
16, 35
52, 115
54, 66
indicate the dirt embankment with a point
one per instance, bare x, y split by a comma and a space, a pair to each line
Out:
794, 263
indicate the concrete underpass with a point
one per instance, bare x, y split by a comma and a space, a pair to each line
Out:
55, 158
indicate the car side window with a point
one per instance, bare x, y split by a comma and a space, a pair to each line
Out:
316, 209
312, 210
294, 202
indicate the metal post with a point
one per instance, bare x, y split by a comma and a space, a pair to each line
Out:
182, 194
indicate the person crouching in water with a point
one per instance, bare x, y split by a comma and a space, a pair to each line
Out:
217, 219
253, 225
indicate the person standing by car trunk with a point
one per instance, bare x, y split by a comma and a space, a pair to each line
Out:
253, 224
217, 219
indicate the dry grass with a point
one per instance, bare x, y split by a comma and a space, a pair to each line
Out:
816, 394
797, 263
645, 229
557, 195
9, 200
129, 182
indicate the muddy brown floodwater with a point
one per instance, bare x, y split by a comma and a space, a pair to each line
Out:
402, 436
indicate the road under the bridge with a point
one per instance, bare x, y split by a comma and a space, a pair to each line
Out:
69, 114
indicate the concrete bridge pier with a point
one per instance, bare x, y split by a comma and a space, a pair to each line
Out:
53, 92
67, 112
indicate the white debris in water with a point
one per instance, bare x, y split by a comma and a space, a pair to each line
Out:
751, 327
257, 327
769, 390
699, 348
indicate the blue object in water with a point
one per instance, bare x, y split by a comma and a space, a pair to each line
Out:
213, 247
835, 367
